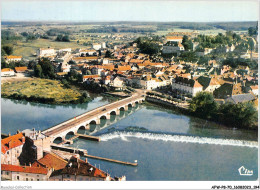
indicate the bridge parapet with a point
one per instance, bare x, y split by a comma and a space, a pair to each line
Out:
72, 125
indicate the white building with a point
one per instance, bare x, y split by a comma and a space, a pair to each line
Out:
11, 148
103, 45
150, 83
86, 52
96, 46
41, 141
117, 82
185, 85
12, 58
45, 52
7, 72
172, 48
24, 173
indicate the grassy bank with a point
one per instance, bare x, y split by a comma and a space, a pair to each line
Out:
43, 91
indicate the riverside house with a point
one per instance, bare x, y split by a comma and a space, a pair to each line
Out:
184, 85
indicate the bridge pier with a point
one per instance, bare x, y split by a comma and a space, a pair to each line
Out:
126, 107
117, 111
97, 121
108, 116
87, 127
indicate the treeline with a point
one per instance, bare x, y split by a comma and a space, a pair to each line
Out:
206, 41
96, 88
56, 32
82, 99
235, 26
7, 35
240, 115
62, 38
235, 62
113, 29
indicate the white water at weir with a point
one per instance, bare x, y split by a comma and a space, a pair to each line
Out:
178, 138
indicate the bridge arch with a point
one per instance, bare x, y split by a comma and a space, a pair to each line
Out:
103, 117
122, 109
130, 105
57, 140
93, 122
113, 112
68, 135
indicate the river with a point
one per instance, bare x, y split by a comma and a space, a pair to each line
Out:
166, 144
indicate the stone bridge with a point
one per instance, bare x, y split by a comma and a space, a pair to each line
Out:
83, 121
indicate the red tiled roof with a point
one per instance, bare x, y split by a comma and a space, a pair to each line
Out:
124, 68
174, 37
90, 76
24, 169
197, 84
13, 57
12, 142
82, 58
254, 87
51, 160
6, 70
21, 68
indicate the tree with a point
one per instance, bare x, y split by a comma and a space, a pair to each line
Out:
61, 38
252, 31
88, 72
149, 47
31, 64
108, 54
47, 69
189, 57
241, 115
3, 63
38, 71
203, 104
8, 49
65, 38
187, 44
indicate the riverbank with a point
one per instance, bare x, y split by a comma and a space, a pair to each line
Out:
42, 91
184, 109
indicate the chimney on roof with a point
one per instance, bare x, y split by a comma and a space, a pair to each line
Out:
86, 160
30, 164
9, 135
18, 131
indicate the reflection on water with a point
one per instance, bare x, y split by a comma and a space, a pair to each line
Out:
18, 114
167, 144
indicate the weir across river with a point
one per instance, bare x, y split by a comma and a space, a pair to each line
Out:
83, 121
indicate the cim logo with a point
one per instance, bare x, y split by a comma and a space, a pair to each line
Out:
243, 171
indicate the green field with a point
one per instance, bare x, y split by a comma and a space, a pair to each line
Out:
28, 49
40, 88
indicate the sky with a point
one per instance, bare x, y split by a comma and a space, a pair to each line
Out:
125, 10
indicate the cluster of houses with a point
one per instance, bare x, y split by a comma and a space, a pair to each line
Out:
127, 67
8, 72
27, 156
